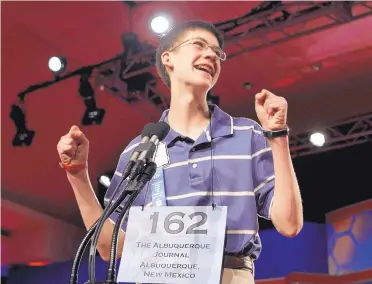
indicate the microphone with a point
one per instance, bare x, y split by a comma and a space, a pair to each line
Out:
146, 133
160, 131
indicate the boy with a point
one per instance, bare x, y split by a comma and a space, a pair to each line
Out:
213, 157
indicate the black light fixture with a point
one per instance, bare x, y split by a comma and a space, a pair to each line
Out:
5, 232
23, 135
92, 113
247, 85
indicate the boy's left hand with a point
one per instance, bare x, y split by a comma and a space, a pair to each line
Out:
271, 110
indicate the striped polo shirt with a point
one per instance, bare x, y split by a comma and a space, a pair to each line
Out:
236, 154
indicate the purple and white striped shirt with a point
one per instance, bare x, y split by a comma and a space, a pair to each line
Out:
242, 171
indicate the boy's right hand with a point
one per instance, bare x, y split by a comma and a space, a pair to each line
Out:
73, 147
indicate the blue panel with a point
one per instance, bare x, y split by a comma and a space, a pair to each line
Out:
306, 252
4, 270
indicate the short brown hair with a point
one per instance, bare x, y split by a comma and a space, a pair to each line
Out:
168, 40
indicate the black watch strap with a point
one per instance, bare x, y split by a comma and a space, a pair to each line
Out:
276, 133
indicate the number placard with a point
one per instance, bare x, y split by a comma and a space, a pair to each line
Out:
174, 244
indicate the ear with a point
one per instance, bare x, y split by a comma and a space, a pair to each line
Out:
166, 59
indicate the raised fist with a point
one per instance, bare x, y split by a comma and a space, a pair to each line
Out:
271, 110
73, 147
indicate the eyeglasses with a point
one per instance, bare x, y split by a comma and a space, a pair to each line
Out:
202, 45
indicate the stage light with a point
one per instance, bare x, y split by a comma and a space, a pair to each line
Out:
160, 24
105, 181
92, 113
317, 139
247, 85
317, 66
57, 64
23, 135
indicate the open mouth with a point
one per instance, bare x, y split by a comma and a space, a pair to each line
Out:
206, 69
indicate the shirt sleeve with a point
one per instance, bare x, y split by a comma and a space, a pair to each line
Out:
117, 179
263, 173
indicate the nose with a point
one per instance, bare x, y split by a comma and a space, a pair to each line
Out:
209, 53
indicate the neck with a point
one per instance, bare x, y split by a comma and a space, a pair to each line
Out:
188, 112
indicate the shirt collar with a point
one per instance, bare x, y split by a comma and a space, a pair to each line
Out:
221, 125
171, 134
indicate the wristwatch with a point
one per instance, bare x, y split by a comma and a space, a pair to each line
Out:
276, 133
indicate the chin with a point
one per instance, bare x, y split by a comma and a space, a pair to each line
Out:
203, 83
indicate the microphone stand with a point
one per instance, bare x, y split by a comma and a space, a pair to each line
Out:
137, 186
132, 170
133, 188
89, 235
136, 169
110, 208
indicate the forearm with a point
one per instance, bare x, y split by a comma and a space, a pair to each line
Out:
286, 212
91, 211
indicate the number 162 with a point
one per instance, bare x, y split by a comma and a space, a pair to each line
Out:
192, 229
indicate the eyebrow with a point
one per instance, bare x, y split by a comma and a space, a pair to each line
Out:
202, 39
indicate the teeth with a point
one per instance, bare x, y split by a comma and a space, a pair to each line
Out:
205, 68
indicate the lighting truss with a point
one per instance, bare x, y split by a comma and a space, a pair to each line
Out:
271, 24
116, 80
268, 24
277, 22
339, 135
268, 19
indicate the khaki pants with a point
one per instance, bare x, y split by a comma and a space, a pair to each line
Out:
237, 276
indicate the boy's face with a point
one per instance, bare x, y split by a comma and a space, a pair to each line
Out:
195, 60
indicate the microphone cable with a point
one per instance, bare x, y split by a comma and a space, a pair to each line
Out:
101, 221
88, 237
136, 186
